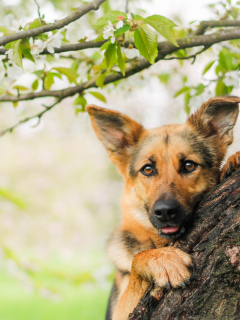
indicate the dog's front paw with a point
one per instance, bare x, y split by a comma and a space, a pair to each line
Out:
233, 164
167, 266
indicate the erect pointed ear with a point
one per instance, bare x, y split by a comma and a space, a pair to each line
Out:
217, 117
117, 132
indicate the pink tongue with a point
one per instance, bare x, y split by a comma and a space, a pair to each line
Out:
169, 229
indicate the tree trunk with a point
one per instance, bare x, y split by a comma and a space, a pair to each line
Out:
214, 244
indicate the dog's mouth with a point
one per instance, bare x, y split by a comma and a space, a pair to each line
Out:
171, 232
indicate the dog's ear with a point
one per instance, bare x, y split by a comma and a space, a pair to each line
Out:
116, 131
217, 117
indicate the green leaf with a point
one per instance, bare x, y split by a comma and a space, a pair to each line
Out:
146, 42
105, 45
96, 56
184, 89
208, 66
68, 73
80, 100
221, 88
137, 18
1, 91
121, 62
110, 55
200, 88
55, 74
35, 24
110, 16
99, 38
164, 26
48, 81
20, 88
17, 53
100, 80
98, 95
10, 196
225, 59
74, 67
164, 77
27, 53
186, 105
35, 84
39, 73
122, 30
6, 31
43, 36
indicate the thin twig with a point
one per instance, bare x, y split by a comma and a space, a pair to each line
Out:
38, 7
38, 115
79, 12
126, 6
188, 57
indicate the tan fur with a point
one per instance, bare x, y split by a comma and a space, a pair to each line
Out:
136, 248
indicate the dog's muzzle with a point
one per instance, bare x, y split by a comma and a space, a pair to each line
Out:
166, 210
168, 217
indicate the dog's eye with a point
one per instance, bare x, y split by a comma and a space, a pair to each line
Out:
189, 166
147, 170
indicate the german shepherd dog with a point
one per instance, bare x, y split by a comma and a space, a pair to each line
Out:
167, 170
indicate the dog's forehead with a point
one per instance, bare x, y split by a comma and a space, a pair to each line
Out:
165, 138
172, 140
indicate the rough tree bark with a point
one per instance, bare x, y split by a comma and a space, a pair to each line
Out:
213, 241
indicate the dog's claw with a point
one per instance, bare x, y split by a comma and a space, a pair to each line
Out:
168, 286
183, 285
233, 164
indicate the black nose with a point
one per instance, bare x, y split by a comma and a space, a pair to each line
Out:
166, 210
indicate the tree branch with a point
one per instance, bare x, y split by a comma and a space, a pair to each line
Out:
81, 11
138, 65
213, 24
98, 44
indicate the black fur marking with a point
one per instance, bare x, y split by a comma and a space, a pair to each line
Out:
132, 244
124, 272
111, 300
109, 120
199, 147
172, 186
166, 139
153, 246
146, 206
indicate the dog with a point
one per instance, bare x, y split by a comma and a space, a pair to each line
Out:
167, 171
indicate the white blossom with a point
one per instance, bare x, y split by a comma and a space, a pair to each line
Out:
132, 53
37, 46
54, 42
17, 24
109, 32
119, 24
231, 79
9, 53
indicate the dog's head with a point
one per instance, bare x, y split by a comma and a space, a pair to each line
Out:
167, 170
